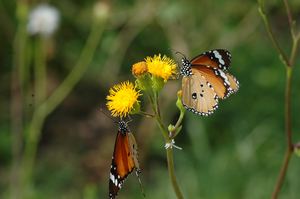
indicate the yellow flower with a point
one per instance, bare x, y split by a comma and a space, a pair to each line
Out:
163, 67
122, 99
139, 68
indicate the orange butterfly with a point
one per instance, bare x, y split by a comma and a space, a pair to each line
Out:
124, 159
206, 80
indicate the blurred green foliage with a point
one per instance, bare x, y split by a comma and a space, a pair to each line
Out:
235, 153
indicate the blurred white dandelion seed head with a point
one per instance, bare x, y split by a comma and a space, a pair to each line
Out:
43, 20
101, 10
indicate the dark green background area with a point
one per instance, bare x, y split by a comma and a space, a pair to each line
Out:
235, 153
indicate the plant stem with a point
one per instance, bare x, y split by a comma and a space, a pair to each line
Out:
289, 63
40, 71
281, 53
79, 69
170, 160
288, 131
290, 17
288, 115
294, 50
48, 105
143, 113
169, 150
282, 173
172, 173
175, 131
18, 81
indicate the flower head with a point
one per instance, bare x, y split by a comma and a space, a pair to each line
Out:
139, 68
43, 20
122, 99
163, 67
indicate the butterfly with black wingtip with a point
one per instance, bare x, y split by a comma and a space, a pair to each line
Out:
206, 80
124, 159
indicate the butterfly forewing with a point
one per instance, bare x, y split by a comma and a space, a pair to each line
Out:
218, 58
123, 163
198, 95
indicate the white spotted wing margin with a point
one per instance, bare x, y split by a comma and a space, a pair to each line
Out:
124, 161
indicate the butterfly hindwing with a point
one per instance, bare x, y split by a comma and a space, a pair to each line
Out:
217, 78
234, 84
218, 58
123, 163
198, 94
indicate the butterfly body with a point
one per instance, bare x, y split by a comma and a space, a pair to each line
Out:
206, 80
124, 159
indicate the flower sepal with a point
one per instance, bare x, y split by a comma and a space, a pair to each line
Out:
135, 109
144, 82
157, 83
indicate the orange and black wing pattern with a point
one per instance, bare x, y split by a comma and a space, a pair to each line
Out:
124, 160
222, 82
205, 80
218, 58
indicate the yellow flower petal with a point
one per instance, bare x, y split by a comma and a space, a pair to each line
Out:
122, 98
163, 67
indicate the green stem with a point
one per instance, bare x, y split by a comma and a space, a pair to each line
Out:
34, 133
172, 173
170, 160
289, 63
40, 72
175, 131
17, 95
149, 115
294, 50
48, 105
282, 174
75, 75
156, 103
288, 131
281, 53
290, 17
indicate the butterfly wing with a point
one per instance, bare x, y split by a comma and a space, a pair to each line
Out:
218, 58
234, 83
133, 150
223, 83
122, 164
198, 94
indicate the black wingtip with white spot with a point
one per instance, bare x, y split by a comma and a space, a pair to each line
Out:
220, 56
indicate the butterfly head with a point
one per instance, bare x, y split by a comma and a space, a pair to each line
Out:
185, 69
123, 127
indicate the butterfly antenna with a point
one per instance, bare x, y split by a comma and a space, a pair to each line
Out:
137, 172
110, 117
177, 52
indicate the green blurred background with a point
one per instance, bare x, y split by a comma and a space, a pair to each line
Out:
234, 153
